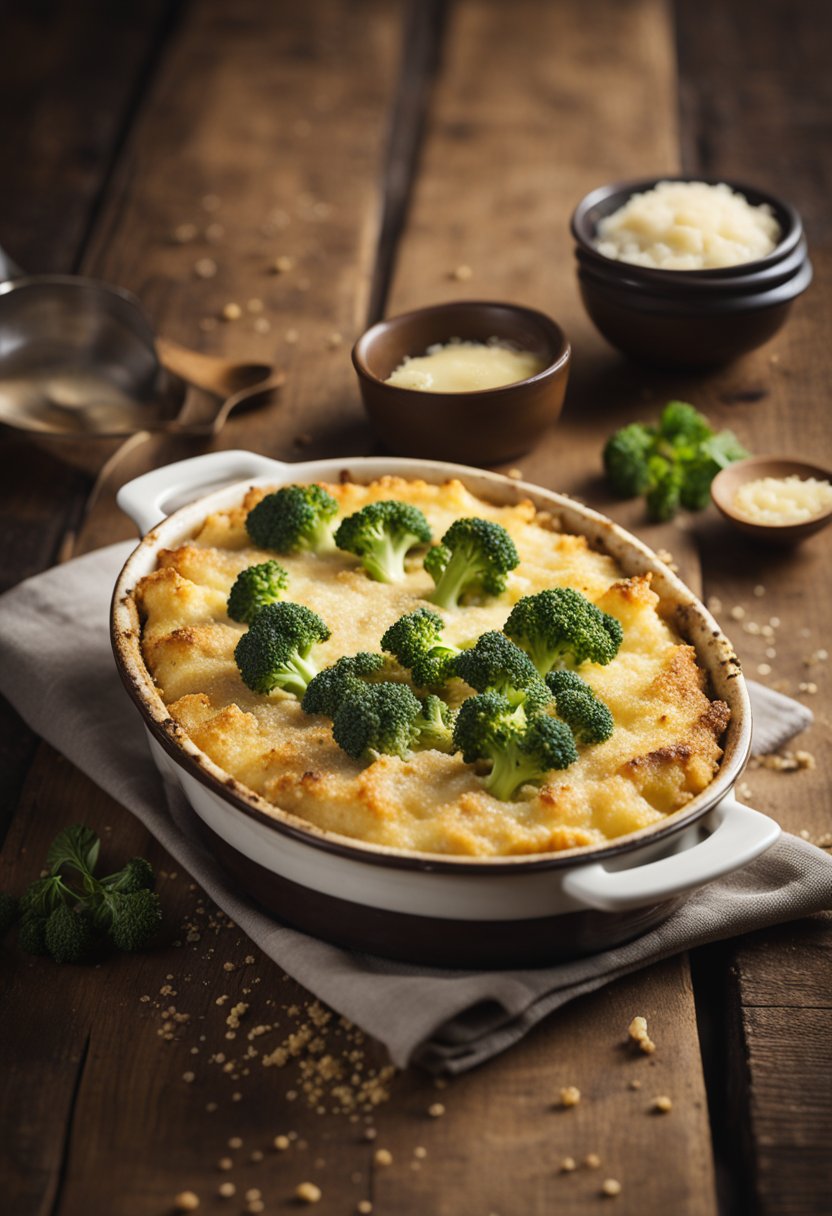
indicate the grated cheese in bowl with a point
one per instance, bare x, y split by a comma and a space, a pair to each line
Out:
782, 500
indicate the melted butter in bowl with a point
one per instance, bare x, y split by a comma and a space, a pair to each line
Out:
466, 367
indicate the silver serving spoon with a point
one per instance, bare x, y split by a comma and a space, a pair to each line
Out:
81, 369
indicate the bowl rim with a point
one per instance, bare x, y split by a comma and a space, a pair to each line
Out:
362, 343
126, 643
790, 238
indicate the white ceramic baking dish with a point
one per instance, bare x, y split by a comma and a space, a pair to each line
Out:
456, 911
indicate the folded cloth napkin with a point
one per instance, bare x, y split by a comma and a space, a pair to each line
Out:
57, 669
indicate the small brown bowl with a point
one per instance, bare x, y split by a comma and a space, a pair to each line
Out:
726, 484
688, 318
483, 427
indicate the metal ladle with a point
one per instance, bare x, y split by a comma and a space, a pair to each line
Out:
81, 369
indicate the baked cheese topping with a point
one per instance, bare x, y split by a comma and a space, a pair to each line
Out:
664, 749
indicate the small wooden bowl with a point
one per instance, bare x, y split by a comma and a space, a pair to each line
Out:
484, 427
726, 484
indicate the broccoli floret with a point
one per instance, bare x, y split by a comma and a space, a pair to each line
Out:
137, 875
129, 918
329, 687
293, 518
473, 559
683, 425
435, 725
389, 719
275, 650
626, 456
31, 933
496, 664
69, 935
382, 534
416, 641
521, 750
560, 627
713, 455
9, 911
255, 587
587, 716
665, 493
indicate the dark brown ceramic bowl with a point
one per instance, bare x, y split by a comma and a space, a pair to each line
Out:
484, 427
688, 318
726, 484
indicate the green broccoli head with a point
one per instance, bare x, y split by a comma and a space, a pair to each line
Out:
389, 719
255, 587
682, 425
137, 875
474, 558
132, 918
626, 456
382, 534
496, 664
560, 627
31, 933
328, 688
275, 650
416, 641
587, 716
69, 934
698, 472
521, 750
435, 725
293, 518
665, 493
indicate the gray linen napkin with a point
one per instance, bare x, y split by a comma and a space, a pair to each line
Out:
57, 670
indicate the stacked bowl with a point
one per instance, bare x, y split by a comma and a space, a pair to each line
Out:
688, 318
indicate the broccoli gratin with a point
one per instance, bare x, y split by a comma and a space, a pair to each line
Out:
408, 665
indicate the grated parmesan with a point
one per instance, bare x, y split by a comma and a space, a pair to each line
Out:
782, 500
688, 226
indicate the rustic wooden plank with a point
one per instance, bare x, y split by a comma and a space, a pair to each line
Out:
502, 1142
735, 69
74, 71
508, 223
273, 125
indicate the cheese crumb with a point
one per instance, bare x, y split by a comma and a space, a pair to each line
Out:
186, 1201
611, 1187
436, 1110
662, 1104
637, 1031
568, 1164
570, 1095
383, 1156
308, 1192
281, 1143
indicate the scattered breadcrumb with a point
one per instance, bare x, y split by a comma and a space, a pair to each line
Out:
436, 1110
662, 1105
253, 1193
291, 336
256, 1155
186, 1201
759, 591
225, 1163
785, 762
611, 1187
205, 268
255, 304
183, 233
515, 474
637, 1031
634, 1084
592, 1161
226, 1190
281, 1143
383, 1156
308, 1192
364, 1207
568, 1164
737, 613
283, 264
807, 686
235, 1142
262, 325
231, 312
255, 1205
570, 1095
335, 340
461, 273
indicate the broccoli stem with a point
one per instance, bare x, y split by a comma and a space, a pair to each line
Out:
456, 574
300, 672
511, 770
386, 563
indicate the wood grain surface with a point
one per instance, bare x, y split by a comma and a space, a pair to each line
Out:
380, 146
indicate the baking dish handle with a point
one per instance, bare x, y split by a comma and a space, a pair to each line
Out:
149, 498
739, 834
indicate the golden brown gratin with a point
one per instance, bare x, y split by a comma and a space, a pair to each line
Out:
664, 749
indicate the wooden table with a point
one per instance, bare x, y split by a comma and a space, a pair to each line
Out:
382, 146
